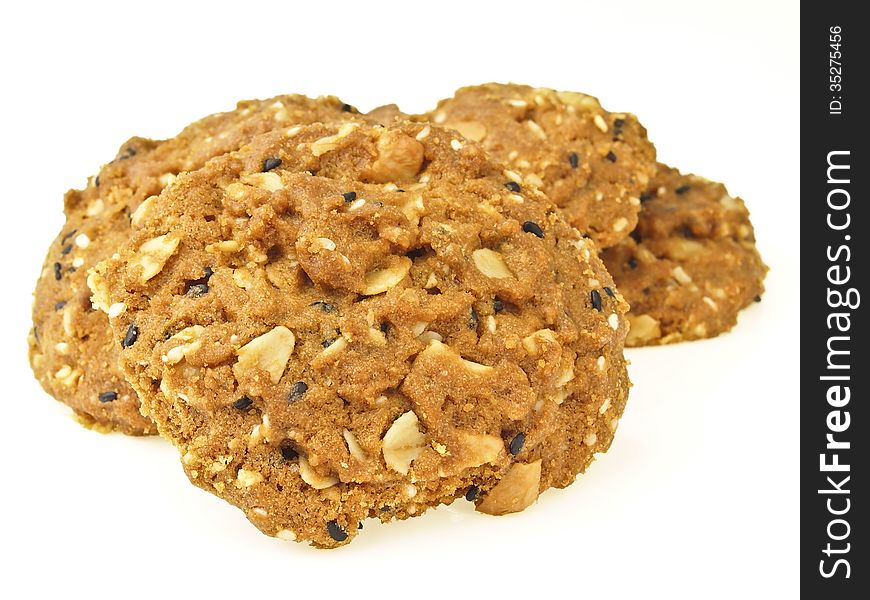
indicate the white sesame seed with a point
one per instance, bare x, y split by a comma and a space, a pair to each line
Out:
601, 363
356, 204
116, 309
604, 406
410, 490
590, 439
613, 321
518, 103
710, 302
680, 275
620, 224
63, 372
536, 130
61, 347
424, 133
513, 176
490, 323
326, 243
440, 117
82, 240
599, 123
286, 535
456, 144
293, 131
78, 262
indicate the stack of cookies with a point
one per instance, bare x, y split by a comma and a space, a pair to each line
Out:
336, 316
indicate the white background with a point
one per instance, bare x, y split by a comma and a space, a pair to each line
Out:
698, 496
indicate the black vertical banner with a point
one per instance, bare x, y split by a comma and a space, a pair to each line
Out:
835, 346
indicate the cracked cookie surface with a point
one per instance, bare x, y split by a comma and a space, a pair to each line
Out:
345, 322
70, 346
691, 264
592, 163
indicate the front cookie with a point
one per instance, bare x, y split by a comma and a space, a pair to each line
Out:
343, 322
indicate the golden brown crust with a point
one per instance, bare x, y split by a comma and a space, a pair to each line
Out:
691, 265
70, 347
372, 327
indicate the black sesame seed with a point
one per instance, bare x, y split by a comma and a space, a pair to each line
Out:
60, 305
618, 123
632, 263
385, 326
611, 156
415, 253
474, 320
348, 108
198, 289
513, 186
68, 235
327, 343
131, 336
533, 228
66, 249
207, 273
686, 232
359, 525
609, 291
58, 271
683, 189
349, 196
646, 197
497, 305
271, 163
324, 306
645, 291
596, 300
517, 443
243, 403
108, 397
574, 160
297, 390
288, 450
758, 298
336, 531
472, 493
97, 181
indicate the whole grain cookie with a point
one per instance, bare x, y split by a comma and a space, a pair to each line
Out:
71, 350
691, 264
593, 164
343, 322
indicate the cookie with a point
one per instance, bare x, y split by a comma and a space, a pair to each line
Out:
346, 322
593, 164
691, 264
71, 351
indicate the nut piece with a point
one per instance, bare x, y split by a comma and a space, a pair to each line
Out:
490, 263
643, 329
535, 342
516, 491
312, 478
189, 336
353, 446
265, 181
142, 212
399, 158
153, 254
247, 478
473, 130
480, 449
330, 142
403, 442
269, 352
380, 280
